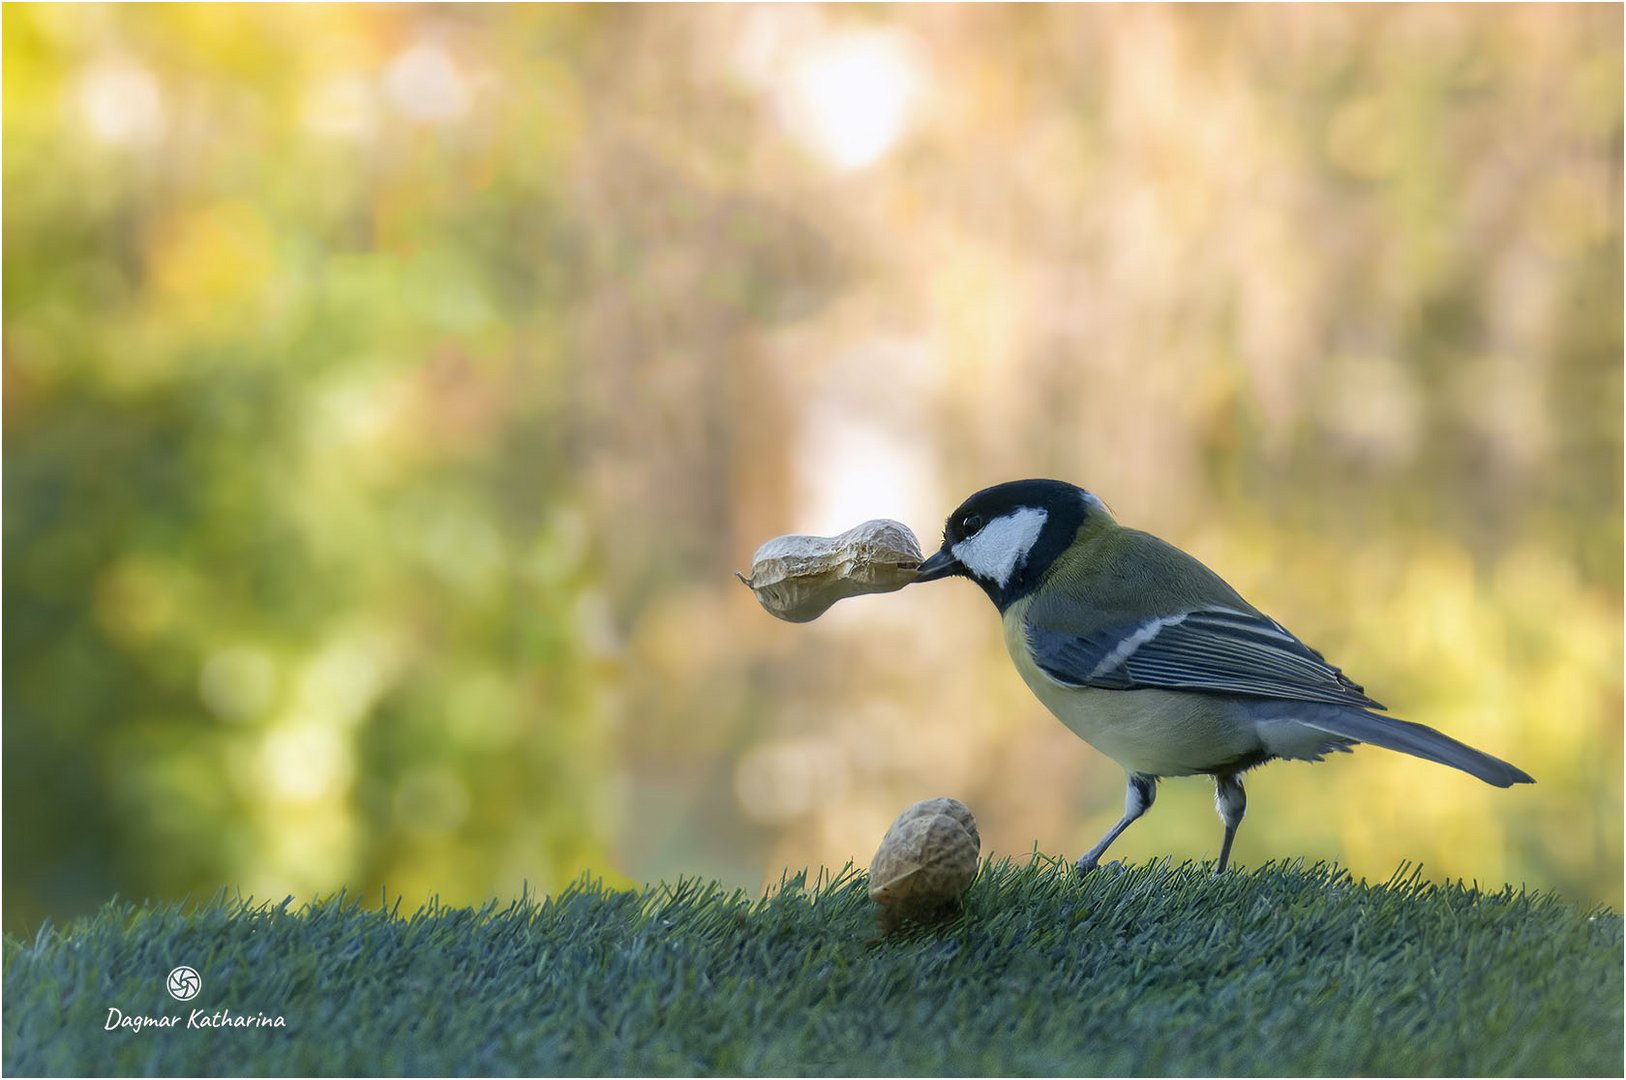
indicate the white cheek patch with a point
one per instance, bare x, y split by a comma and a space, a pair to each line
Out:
1001, 546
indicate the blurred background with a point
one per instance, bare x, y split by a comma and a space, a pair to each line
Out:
390, 392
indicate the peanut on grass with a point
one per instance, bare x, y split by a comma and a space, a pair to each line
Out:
925, 863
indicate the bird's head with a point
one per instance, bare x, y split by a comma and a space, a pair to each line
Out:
1006, 537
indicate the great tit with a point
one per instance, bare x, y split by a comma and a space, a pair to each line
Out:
1151, 658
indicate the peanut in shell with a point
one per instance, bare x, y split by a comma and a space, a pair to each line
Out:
926, 862
798, 577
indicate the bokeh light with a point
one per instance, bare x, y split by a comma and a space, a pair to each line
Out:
120, 102
848, 94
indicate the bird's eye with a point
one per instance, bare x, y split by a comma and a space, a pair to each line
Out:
971, 524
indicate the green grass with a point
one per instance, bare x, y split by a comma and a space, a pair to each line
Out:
1160, 969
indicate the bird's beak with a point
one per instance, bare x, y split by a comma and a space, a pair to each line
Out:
941, 565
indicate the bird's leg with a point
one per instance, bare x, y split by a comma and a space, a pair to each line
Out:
1231, 802
1137, 800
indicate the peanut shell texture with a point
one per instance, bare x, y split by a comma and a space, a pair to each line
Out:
797, 577
925, 863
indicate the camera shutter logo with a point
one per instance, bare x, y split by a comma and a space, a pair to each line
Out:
184, 983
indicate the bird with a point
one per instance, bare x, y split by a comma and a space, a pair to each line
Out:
1153, 659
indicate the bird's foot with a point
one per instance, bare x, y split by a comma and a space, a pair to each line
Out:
1087, 864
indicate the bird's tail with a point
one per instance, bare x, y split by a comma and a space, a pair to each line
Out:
1413, 739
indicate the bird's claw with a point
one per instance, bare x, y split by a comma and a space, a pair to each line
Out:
1084, 866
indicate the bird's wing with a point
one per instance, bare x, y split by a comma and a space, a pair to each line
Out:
1211, 649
